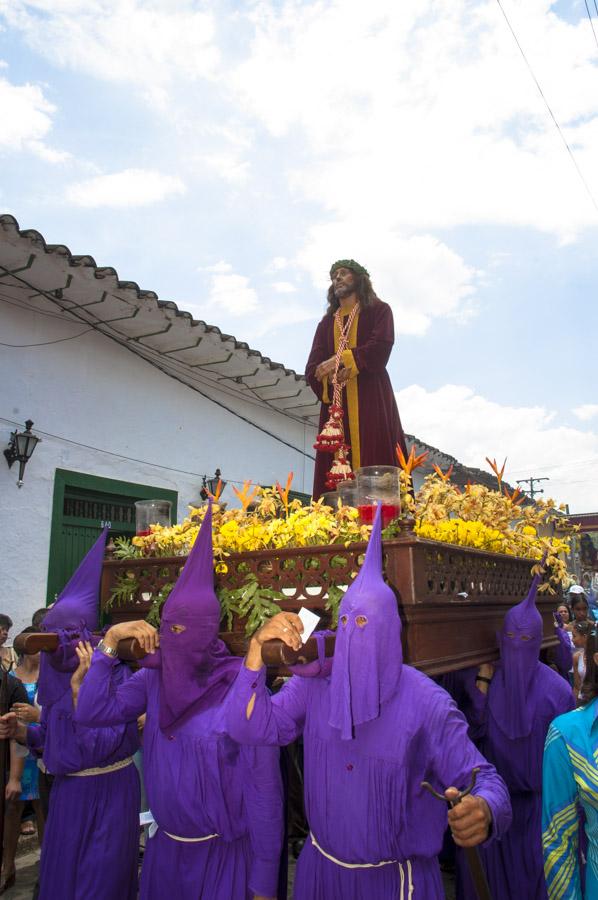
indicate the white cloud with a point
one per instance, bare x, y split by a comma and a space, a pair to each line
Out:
277, 264
227, 164
414, 115
220, 267
136, 42
424, 114
279, 318
283, 287
122, 190
233, 294
586, 412
469, 426
27, 120
420, 277
49, 154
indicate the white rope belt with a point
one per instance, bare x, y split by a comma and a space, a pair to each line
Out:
378, 865
185, 840
102, 770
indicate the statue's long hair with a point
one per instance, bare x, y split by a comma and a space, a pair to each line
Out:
363, 289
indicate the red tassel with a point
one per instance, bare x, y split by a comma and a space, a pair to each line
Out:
332, 435
340, 470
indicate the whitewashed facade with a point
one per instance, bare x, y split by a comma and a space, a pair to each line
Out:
104, 410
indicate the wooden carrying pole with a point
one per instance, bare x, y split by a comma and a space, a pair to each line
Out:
274, 653
32, 642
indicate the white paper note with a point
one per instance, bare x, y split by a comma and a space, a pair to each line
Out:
146, 817
310, 620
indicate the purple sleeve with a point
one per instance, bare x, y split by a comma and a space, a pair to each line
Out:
476, 704
264, 808
102, 703
564, 652
254, 717
454, 757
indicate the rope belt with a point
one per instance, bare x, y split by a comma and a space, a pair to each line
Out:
378, 865
102, 770
185, 840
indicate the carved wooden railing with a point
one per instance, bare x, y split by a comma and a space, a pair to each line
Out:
452, 599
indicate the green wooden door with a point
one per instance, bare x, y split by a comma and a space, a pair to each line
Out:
82, 506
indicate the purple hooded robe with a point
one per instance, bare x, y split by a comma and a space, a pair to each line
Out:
91, 839
372, 732
509, 726
217, 805
563, 655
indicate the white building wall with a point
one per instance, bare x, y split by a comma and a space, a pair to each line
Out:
94, 392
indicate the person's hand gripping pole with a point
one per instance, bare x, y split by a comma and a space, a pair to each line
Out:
469, 819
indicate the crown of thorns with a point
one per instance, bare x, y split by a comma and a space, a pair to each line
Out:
348, 264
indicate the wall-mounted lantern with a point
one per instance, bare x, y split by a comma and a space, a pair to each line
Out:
20, 449
210, 485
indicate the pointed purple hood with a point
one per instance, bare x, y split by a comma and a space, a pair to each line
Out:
76, 610
79, 601
368, 656
511, 700
196, 667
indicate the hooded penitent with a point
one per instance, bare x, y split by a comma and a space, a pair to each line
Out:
563, 654
196, 667
73, 617
367, 657
520, 641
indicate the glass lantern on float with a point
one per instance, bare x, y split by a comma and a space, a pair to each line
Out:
378, 485
347, 491
151, 512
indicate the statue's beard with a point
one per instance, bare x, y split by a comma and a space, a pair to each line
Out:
343, 290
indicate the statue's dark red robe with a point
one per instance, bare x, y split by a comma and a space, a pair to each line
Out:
372, 424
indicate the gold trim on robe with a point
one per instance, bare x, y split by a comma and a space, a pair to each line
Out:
352, 390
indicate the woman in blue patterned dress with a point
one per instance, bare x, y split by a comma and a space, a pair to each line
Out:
570, 794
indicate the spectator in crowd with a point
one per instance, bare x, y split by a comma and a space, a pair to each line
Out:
570, 781
91, 839
38, 617
565, 613
16, 695
27, 672
580, 634
8, 657
579, 604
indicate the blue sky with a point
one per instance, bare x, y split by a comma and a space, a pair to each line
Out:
223, 154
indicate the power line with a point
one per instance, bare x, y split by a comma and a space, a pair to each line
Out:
119, 339
19, 304
189, 371
591, 22
144, 462
552, 115
161, 366
47, 343
555, 467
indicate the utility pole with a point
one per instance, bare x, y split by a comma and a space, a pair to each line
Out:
532, 491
